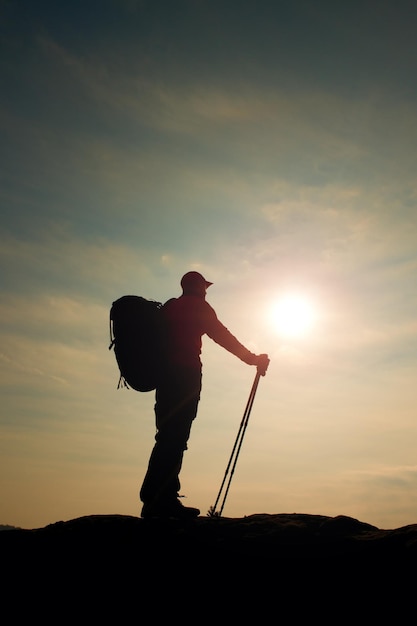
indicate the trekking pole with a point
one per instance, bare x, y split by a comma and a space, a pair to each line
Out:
236, 447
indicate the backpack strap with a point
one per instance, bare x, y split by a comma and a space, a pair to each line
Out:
122, 383
112, 339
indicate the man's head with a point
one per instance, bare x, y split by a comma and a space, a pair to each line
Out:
194, 284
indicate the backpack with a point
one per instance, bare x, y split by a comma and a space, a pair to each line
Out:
134, 336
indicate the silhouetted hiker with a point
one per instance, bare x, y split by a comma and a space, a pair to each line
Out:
184, 321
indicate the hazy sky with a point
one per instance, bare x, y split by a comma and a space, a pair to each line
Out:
271, 146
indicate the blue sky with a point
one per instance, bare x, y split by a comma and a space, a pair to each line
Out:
271, 146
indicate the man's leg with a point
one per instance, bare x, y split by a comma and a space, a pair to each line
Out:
175, 409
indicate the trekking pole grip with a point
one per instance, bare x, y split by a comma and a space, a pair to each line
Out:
263, 364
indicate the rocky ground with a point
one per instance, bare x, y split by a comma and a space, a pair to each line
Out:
262, 563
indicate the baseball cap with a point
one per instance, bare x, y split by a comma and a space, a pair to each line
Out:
194, 279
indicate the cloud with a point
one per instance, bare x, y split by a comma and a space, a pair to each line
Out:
200, 146
397, 477
59, 261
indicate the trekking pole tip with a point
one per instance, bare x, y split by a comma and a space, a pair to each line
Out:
212, 512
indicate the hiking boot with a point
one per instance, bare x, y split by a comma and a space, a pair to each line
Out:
172, 509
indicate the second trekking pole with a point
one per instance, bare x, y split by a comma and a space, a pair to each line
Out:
236, 448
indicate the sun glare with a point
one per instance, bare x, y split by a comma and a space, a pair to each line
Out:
293, 315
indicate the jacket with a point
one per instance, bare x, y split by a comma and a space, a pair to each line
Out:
184, 321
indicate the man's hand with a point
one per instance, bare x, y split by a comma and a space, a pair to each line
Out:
262, 363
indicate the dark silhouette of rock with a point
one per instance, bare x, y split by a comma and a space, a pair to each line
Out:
241, 568
260, 537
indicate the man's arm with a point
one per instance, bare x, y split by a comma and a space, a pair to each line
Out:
222, 335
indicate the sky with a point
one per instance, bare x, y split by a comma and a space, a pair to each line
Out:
272, 146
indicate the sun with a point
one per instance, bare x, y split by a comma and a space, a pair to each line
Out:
293, 315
